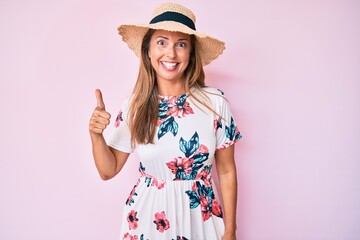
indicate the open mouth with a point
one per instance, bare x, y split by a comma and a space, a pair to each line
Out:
169, 66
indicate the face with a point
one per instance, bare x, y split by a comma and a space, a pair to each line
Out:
169, 53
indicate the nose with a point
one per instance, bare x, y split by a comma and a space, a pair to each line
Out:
171, 52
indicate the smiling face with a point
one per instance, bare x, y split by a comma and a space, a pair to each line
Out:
169, 53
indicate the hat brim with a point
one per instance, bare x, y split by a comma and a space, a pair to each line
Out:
209, 47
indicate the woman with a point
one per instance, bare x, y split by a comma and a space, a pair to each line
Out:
178, 127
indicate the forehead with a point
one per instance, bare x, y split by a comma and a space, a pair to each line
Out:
171, 35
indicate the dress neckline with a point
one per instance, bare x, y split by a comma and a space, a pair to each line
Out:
176, 96
172, 96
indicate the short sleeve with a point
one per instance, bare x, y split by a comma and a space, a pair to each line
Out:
120, 136
227, 132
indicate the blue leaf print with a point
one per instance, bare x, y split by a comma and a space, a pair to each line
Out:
181, 100
163, 108
194, 171
188, 167
148, 181
199, 188
142, 166
142, 237
179, 238
200, 157
194, 198
169, 125
130, 199
208, 191
208, 168
190, 147
230, 131
209, 205
237, 136
180, 175
170, 108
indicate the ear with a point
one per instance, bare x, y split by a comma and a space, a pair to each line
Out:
149, 54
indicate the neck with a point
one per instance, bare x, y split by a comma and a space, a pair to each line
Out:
170, 88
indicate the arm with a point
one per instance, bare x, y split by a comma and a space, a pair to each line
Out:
226, 170
108, 161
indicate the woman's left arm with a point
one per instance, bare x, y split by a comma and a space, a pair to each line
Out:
226, 169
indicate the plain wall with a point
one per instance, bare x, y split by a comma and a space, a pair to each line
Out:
291, 71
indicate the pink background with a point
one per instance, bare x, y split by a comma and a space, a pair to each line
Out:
291, 71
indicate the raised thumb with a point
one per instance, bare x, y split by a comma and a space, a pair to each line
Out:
99, 99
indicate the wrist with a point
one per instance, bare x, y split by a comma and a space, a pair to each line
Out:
230, 229
95, 136
230, 232
229, 235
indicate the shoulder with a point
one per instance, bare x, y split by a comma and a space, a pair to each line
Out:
211, 97
124, 103
214, 94
213, 91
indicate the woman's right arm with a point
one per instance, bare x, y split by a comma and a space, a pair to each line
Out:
108, 161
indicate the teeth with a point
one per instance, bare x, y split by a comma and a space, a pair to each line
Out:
169, 65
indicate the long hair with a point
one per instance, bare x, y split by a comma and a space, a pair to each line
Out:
144, 105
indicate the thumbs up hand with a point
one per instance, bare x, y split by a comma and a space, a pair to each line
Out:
100, 118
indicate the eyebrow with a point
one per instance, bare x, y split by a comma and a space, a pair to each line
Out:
180, 39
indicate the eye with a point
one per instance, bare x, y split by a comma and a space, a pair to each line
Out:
181, 44
160, 42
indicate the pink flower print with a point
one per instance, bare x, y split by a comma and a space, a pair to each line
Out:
127, 236
161, 222
119, 119
181, 166
217, 123
132, 220
179, 107
216, 208
205, 208
158, 183
204, 175
202, 149
194, 188
204, 197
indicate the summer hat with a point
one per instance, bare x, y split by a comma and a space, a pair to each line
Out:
176, 18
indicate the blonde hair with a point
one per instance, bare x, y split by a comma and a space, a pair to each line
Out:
144, 105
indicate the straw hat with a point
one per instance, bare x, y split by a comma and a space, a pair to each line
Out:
176, 18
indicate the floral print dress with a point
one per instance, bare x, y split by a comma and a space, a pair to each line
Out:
174, 197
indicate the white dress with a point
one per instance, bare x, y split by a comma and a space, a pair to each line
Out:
174, 197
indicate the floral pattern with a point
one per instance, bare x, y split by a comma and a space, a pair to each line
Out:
162, 223
127, 236
119, 119
169, 109
186, 168
217, 123
204, 196
132, 220
180, 238
150, 180
205, 175
165, 174
130, 198
232, 134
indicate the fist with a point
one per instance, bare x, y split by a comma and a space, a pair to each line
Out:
100, 118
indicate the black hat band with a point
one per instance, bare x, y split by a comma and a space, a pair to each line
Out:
176, 17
